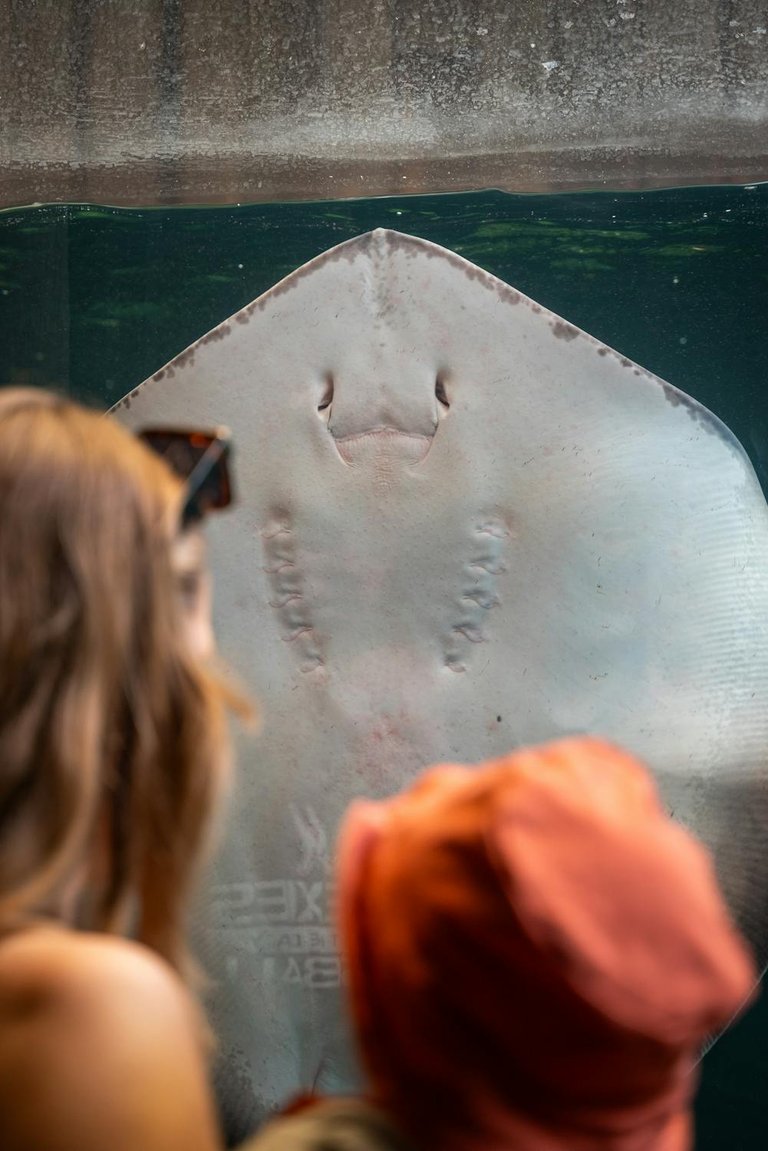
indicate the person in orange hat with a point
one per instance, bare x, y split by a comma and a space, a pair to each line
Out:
535, 954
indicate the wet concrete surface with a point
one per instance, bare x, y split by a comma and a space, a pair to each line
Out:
254, 179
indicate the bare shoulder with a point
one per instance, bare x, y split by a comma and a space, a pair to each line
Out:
54, 977
73, 969
99, 1046
60, 965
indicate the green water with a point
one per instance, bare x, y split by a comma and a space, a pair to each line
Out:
94, 299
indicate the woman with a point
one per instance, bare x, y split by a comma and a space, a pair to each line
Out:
535, 954
113, 752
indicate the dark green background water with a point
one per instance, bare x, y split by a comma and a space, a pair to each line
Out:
95, 299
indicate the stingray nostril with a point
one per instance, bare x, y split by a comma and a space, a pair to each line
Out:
324, 407
440, 393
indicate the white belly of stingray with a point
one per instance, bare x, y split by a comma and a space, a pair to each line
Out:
463, 525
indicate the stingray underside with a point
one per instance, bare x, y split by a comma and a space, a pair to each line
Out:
463, 525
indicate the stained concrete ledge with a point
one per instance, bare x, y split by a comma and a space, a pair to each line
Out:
185, 101
229, 180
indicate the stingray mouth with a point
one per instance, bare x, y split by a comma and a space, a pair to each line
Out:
383, 444
386, 443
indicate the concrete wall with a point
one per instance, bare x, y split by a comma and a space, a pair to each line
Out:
142, 101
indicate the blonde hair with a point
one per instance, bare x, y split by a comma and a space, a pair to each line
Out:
113, 736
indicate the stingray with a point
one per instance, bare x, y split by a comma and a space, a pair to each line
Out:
464, 525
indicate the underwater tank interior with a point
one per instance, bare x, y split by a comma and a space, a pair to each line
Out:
164, 163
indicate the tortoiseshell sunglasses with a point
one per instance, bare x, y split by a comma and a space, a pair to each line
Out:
201, 459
